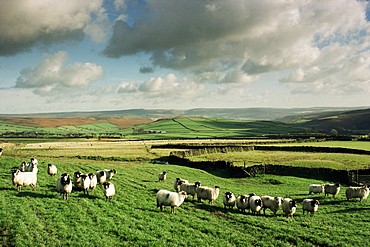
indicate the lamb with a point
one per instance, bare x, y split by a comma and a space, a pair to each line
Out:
85, 183
178, 182
77, 179
316, 188
357, 192
289, 207
242, 202
229, 200
64, 185
109, 190
332, 189
52, 170
93, 181
24, 179
168, 198
207, 193
255, 204
310, 205
190, 189
273, 203
162, 176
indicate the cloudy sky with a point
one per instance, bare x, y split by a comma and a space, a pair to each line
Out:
92, 55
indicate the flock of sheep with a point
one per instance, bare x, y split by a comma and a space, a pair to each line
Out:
252, 202
26, 175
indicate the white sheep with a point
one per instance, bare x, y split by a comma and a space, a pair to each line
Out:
310, 205
207, 193
64, 185
289, 207
242, 202
332, 189
357, 192
272, 203
178, 182
162, 176
315, 188
109, 190
168, 198
77, 179
85, 183
52, 170
93, 181
255, 204
20, 179
190, 189
229, 200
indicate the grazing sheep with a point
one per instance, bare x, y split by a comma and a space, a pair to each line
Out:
93, 181
178, 182
77, 179
255, 204
229, 200
190, 189
109, 190
20, 179
101, 177
168, 198
207, 193
332, 189
52, 170
273, 203
242, 202
85, 183
289, 207
316, 188
357, 192
310, 205
162, 176
64, 185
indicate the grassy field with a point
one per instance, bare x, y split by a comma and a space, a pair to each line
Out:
42, 218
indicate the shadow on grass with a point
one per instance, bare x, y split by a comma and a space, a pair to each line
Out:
14, 188
33, 194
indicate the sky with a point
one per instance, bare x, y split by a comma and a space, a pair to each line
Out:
94, 55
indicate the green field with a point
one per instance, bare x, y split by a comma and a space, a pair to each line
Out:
42, 218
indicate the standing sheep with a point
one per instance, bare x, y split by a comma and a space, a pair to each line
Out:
273, 203
168, 198
315, 188
101, 177
190, 189
77, 179
310, 205
207, 193
64, 185
255, 204
109, 190
93, 181
52, 170
242, 202
162, 176
229, 200
178, 182
20, 179
289, 207
357, 192
85, 183
332, 189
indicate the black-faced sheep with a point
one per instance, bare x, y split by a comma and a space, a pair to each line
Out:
168, 198
272, 203
104, 175
77, 179
85, 183
64, 185
242, 202
93, 181
357, 192
229, 200
255, 204
332, 189
162, 176
289, 207
310, 205
190, 189
207, 193
109, 190
52, 170
178, 182
20, 179
315, 188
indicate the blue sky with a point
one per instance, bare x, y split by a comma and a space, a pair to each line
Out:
92, 55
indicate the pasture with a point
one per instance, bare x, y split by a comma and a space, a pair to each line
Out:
42, 218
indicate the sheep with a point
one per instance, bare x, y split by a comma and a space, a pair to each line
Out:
332, 189
315, 188
229, 200
168, 198
190, 189
289, 207
255, 204
77, 179
52, 170
310, 205
178, 182
101, 177
85, 183
242, 202
207, 193
34, 161
64, 185
357, 192
273, 203
162, 176
109, 190
22, 166
27, 167
110, 173
20, 179
93, 181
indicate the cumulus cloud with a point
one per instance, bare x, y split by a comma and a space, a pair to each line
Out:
52, 75
28, 23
